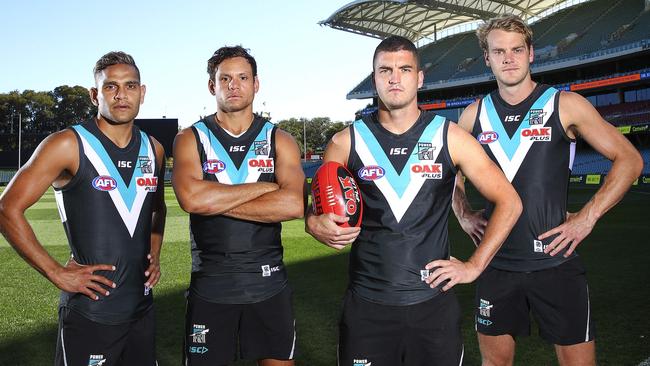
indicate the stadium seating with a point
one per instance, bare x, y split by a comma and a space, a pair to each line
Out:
626, 113
591, 162
593, 26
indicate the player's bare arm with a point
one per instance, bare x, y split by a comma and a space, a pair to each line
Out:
54, 162
471, 221
158, 217
325, 227
286, 203
580, 118
490, 181
202, 197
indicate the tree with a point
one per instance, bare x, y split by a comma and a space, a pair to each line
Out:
319, 131
73, 105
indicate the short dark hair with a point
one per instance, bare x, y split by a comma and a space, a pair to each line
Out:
115, 58
228, 52
394, 44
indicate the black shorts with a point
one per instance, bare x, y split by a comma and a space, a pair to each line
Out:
262, 330
557, 297
82, 342
427, 333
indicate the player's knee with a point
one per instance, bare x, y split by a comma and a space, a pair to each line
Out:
497, 357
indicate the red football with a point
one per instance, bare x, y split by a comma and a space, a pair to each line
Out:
333, 189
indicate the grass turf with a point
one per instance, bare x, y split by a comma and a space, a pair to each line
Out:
615, 255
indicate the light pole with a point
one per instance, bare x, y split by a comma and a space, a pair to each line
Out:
20, 130
304, 139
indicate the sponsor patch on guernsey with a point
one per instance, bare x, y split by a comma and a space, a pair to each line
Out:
371, 172
213, 166
262, 165
148, 184
427, 171
536, 133
487, 137
104, 183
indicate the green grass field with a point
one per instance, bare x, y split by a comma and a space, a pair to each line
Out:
616, 256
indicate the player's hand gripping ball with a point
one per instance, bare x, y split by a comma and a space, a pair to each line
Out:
333, 189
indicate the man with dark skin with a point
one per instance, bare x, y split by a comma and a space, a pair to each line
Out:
114, 228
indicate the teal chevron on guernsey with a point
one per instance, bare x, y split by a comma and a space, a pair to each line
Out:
510, 144
231, 174
128, 199
511, 151
399, 189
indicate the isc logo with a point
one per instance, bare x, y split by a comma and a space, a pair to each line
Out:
514, 118
198, 349
214, 166
348, 185
148, 184
427, 171
237, 148
537, 133
487, 137
399, 151
104, 183
261, 165
371, 172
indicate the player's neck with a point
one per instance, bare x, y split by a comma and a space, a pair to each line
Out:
234, 122
400, 120
515, 94
119, 133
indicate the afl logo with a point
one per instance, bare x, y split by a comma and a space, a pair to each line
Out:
487, 137
371, 172
214, 166
104, 183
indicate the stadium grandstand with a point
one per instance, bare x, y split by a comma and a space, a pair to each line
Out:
598, 48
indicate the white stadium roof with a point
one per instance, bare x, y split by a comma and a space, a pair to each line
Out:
422, 20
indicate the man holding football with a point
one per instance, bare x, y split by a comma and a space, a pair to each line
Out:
399, 309
238, 176
529, 129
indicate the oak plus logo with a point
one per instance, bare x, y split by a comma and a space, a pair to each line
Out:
264, 165
427, 171
536, 134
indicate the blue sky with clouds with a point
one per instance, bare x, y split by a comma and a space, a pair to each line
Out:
305, 69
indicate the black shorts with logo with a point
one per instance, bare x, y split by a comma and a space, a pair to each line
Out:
262, 330
558, 299
82, 342
427, 333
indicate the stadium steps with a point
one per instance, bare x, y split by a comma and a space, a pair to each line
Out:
594, 35
549, 24
637, 31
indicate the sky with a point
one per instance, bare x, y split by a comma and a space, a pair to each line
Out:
305, 69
